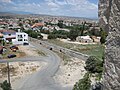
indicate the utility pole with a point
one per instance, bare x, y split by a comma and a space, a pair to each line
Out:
8, 68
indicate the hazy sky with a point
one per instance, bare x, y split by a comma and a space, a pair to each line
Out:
77, 8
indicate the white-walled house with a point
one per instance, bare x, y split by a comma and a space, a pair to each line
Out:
84, 39
21, 38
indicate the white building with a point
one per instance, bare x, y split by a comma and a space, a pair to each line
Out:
84, 39
21, 38
45, 36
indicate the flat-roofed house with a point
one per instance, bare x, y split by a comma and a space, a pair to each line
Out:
21, 38
8, 35
84, 39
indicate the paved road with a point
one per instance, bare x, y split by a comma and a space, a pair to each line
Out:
43, 79
64, 50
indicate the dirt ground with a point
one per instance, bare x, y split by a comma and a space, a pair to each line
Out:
29, 51
70, 73
21, 69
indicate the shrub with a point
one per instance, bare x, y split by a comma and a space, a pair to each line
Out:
52, 36
73, 34
5, 85
83, 84
103, 36
94, 65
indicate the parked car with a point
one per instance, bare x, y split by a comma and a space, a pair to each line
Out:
25, 43
11, 56
14, 47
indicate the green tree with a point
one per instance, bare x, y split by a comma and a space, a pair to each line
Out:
94, 65
45, 31
60, 23
60, 32
83, 84
83, 28
20, 24
73, 34
34, 34
6, 86
52, 36
103, 35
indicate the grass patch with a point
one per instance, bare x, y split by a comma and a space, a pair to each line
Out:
92, 50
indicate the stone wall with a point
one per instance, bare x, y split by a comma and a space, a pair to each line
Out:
109, 17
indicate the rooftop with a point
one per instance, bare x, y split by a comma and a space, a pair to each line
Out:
37, 25
3, 30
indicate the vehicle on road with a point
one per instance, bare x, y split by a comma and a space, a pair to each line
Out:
11, 56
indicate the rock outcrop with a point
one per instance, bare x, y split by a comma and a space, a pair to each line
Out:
109, 17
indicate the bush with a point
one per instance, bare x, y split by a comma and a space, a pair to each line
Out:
60, 32
5, 85
83, 84
34, 34
94, 65
103, 36
73, 34
45, 31
52, 36
61, 36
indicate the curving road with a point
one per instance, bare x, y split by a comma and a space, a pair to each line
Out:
64, 50
43, 79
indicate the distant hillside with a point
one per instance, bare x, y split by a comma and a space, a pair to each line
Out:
5, 13
28, 14
15, 12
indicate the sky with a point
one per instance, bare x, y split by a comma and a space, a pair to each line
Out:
74, 8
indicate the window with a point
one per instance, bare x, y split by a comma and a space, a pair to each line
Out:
20, 36
9, 34
25, 39
24, 35
19, 39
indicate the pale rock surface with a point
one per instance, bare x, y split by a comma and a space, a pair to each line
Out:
109, 17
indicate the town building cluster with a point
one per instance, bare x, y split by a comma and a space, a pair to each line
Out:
12, 29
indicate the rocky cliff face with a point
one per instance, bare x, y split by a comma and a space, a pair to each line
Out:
109, 17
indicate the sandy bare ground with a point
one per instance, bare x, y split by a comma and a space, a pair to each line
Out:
69, 74
21, 69
28, 50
